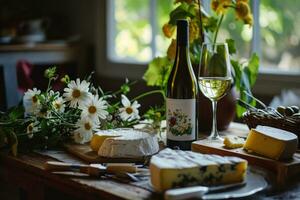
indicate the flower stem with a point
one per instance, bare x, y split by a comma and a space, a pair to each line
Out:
148, 93
218, 27
201, 24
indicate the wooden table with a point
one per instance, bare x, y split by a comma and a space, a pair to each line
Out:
43, 53
27, 172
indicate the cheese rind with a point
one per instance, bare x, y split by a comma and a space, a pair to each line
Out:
176, 168
272, 142
127, 143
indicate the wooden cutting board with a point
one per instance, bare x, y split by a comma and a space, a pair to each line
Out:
282, 169
84, 152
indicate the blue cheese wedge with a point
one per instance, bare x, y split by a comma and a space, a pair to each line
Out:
176, 168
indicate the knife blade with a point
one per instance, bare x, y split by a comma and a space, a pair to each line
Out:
197, 191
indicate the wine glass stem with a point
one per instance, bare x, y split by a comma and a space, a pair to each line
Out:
214, 130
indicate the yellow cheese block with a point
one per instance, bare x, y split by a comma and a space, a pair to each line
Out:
271, 142
232, 142
98, 139
176, 168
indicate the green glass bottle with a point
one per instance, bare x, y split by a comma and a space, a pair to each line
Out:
182, 90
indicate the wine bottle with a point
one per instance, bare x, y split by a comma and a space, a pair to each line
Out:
181, 101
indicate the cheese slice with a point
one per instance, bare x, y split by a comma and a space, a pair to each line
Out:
125, 143
98, 139
176, 168
233, 142
272, 142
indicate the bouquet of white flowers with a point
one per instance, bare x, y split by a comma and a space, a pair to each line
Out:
46, 119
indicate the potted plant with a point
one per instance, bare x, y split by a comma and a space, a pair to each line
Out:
205, 27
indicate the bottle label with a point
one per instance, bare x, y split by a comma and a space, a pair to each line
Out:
181, 119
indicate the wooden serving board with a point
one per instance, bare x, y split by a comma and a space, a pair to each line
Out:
282, 169
84, 152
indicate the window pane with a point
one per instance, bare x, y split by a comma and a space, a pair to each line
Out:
132, 30
280, 34
235, 29
164, 7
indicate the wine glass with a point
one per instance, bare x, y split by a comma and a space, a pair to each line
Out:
214, 77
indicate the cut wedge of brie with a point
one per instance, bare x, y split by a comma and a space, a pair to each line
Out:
124, 143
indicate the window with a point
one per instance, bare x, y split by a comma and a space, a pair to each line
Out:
280, 34
135, 29
135, 34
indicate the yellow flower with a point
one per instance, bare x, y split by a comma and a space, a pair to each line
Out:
171, 53
248, 20
168, 30
242, 10
220, 6
193, 31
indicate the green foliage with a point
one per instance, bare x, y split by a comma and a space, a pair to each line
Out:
245, 77
183, 11
231, 46
158, 72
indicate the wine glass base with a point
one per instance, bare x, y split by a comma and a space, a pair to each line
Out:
215, 137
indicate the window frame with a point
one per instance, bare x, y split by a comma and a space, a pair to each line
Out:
269, 82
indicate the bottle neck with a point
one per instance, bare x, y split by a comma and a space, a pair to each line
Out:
182, 36
182, 52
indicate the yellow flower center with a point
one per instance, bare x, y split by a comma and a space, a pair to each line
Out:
76, 93
87, 126
30, 128
57, 106
129, 110
92, 109
34, 99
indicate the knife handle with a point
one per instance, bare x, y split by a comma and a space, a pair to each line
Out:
61, 166
121, 167
185, 193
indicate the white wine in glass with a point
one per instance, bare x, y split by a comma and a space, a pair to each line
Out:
214, 77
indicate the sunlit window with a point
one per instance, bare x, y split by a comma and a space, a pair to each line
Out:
280, 34
135, 32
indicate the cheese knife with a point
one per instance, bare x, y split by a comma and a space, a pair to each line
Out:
94, 169
197, 191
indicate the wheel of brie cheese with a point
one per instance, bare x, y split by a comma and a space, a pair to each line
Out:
126, 143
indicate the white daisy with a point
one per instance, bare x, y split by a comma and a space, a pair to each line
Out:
30, 101
94, 109
77, 92
85, 130
59, 105
78, 138
130, 111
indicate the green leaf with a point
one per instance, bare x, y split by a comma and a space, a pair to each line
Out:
237, 73
253, 68
210, 24
231, 46
195, 51
125, 88
16, 112
158, 72
181, 12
